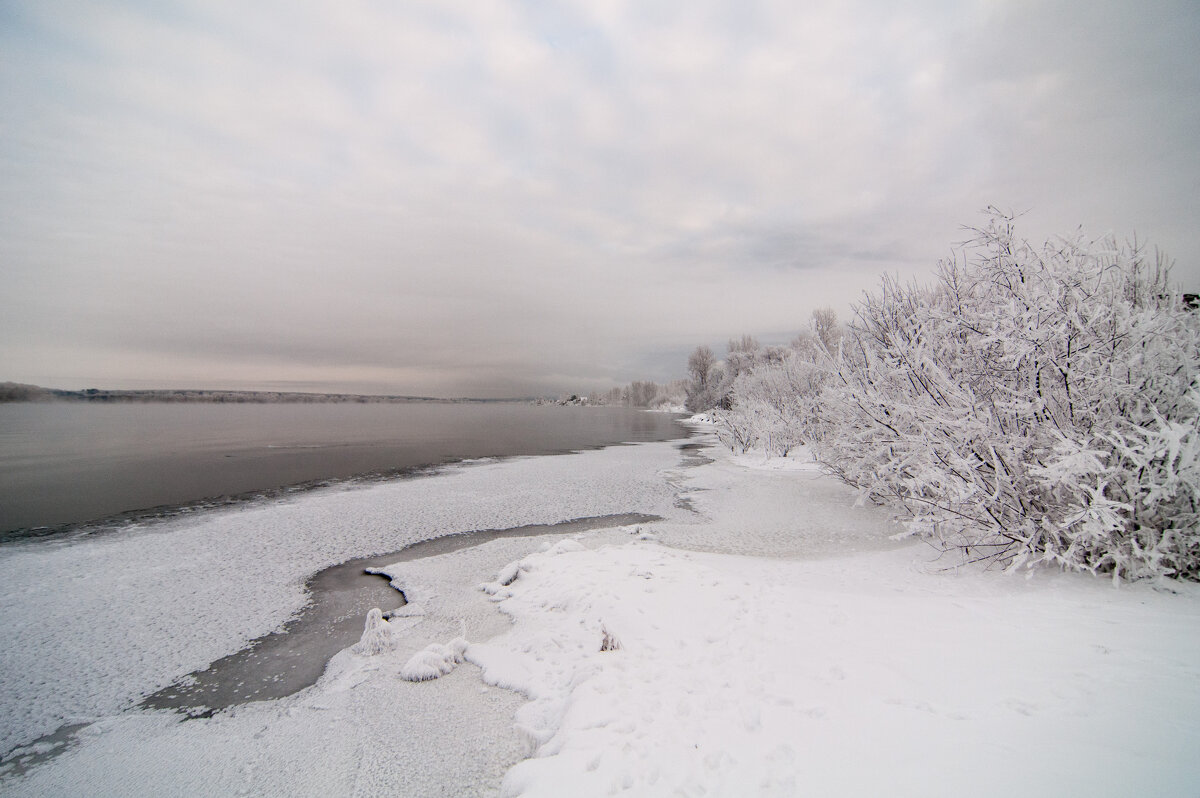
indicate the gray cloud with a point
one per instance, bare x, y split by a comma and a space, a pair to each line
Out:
448, 198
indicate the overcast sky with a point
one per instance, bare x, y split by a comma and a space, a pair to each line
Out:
518, 198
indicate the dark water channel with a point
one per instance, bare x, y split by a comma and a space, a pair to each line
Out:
286, 661
293, 658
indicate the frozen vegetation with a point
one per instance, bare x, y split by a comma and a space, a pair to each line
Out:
1031, 405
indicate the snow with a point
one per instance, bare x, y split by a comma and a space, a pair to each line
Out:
800, 458
90, 627
376, 637
880, 671
434, 661
769, 637
867, 675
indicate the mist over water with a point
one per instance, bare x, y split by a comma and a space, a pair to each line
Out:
69, 463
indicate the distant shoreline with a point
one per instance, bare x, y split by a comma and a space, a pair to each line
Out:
18, 392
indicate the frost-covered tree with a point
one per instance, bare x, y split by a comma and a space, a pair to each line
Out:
642, 394
826, 330
1033, 404
741, 356
701, 379
779, 401
775, 397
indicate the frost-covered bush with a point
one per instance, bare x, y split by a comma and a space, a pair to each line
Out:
1033, 404
779, 402
736, 430
376, 636
776, 398
434, 661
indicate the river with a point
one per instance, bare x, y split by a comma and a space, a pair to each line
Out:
63, 464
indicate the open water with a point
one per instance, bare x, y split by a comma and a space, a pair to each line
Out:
64, 464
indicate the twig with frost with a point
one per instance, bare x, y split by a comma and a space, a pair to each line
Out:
608, 640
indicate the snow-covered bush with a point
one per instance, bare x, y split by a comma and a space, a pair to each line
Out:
778, 402
776, 397
736, 430
1031, 405
434, 661
376, 636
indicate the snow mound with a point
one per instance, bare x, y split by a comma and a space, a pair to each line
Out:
376, 636
639, 533
434, 661
567, 546
504, 578
508, 574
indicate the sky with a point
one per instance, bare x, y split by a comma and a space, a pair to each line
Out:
508, 198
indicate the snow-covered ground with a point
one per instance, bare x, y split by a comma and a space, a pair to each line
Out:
767, 638
88, 628
870, 671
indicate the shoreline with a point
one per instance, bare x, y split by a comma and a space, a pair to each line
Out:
286, 661
766, 631
198, 571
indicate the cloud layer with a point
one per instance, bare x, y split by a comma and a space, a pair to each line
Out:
515, 198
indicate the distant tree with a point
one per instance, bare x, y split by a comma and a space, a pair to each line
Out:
741, 354
700, 374
826, 328
20, 392
641, 394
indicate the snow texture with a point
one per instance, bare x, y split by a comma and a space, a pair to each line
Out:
773, 640
873, 674
89, 627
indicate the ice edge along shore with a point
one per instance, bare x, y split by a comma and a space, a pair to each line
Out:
811, 645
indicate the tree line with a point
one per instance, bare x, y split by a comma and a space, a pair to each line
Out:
639, 393
1030, 404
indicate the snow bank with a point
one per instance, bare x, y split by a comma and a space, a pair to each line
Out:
860, 676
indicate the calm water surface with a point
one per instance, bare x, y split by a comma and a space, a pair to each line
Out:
67, 463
